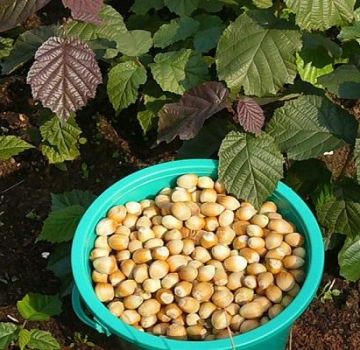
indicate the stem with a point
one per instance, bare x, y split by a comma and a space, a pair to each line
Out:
138, 61
290, 339
230, 334
11, 187
324, 290
110, 134
332, 284
347, 160
231, 337
278, 8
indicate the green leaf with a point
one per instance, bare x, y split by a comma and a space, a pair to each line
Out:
135, 42
357, 11
351, 53
12, 146
38, 307
182, 7
178, 29
301, 87
8, 333
311, 125
333, 241
349, 259
344, 82
6, 45
206, 142
145, 22
41, 340
24, 338
352, 32
53, 155
60, 140
230, 2
320, 43
338, 209
141, 7
101, 47
61, 224
357, 159
111, 28
209, 32
75, 197
321, 14
212, 5
155, 101
59, 263
306, 182
124, 82
148, 117
63, 136
250, 166
25, 47
259, 59
263, 4
262, 101
146, 120
309, 72
14, 12
316, 57
178, 71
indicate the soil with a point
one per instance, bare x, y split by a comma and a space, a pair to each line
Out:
331, 325
113, 150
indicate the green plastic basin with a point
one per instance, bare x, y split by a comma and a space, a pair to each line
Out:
145, 184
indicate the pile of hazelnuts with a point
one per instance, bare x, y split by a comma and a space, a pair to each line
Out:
196, 263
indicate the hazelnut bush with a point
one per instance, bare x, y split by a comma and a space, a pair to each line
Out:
196, 263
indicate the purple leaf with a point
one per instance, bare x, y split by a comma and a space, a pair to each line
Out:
249, 115
186, 117
64, 76
13, 12
85, 10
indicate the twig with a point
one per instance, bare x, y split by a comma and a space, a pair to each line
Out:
230, 333
290, 339
231, 337
11, 187
12, 318
332, 283
110, 134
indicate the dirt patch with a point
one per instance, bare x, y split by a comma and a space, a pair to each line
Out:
331, 325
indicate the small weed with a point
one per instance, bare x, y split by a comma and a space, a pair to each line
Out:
84, 170
80, 339
328, 293
61, 166
116, 154
32, 215
33, 307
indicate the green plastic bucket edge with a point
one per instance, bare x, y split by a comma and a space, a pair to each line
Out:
103, 321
